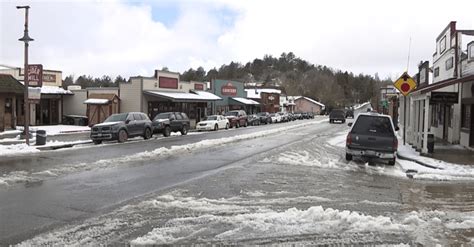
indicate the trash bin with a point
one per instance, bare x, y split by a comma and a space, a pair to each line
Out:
40, 137
431, 141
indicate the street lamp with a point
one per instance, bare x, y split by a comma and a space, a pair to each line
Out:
26, 38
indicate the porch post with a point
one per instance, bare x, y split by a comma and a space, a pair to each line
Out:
425, 132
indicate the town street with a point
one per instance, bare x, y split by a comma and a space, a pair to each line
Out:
258, 185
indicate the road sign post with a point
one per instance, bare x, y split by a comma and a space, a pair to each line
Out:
405, 84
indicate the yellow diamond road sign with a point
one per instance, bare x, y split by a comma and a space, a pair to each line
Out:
405, 84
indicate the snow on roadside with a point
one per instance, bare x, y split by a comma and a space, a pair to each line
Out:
52, 130
17, 149
147, 155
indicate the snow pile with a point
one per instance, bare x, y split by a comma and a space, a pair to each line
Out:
358, 106
52, 130
208, 222
17, 149
318, 158
243, 220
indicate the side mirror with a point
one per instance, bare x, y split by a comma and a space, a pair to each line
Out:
127, 121
397, 128
349, 124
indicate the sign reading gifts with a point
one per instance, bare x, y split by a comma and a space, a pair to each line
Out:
229, 90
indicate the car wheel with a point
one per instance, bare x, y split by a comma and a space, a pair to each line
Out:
348, 157
391, 162
147, 135
97, 142
167, 131
226, 126
216, 127
184, 130
122, 136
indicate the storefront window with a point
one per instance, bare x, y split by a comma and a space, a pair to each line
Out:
434, 116
466, 116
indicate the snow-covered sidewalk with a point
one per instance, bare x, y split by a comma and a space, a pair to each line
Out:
53, 130
422, 167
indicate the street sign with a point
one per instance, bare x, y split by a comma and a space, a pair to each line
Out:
34, 95
405, 84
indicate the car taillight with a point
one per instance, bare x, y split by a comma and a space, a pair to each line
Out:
395, 144
349, 139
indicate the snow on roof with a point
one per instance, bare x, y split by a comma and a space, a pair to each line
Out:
96, 101
309, 99
54, 90
245, 101
254, 93
205, 96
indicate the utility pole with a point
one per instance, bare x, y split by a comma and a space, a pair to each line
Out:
26, 39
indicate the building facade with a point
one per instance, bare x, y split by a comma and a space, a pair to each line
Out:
164, 92
441, 106
49, 110
11, 102
234, 97
269, 98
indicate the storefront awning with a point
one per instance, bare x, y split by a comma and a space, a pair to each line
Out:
207, 95
245, 101
96, 101
184, 97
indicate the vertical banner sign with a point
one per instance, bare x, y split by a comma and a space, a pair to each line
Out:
35, 75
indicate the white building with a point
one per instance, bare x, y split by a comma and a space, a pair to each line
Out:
435, 107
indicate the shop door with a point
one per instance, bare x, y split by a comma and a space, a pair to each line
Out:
8, 113
447, 118
54, 111
471, 137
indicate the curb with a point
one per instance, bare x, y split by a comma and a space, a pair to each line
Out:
69, 145
417, 161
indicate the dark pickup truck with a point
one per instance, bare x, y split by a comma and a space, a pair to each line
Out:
168, 122
337, 115
372, 137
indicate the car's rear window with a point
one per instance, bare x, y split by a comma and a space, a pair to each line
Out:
373, 125
162, 116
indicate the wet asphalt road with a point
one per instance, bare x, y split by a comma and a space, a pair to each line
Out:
34, 206
196, 196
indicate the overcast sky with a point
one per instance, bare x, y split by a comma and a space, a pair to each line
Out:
135, 37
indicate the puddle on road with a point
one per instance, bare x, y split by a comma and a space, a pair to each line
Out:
437, 196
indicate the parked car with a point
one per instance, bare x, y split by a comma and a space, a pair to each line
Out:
213, 122
276, 118
349, 113
337, 115
253, 120
284, 116
372, 137
299, 115
168, 122
122, 126
237, 118
264, 117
